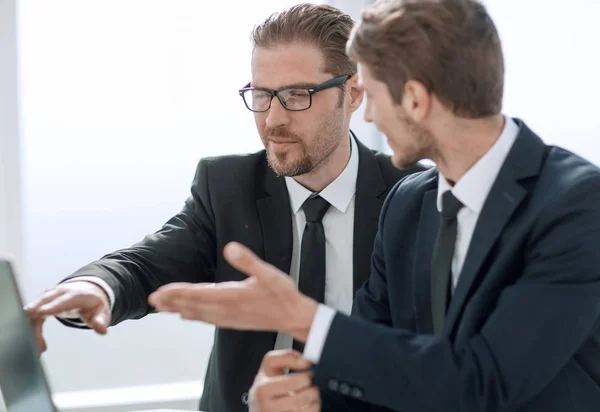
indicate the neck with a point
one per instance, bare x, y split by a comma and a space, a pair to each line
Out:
462, 143
328, 170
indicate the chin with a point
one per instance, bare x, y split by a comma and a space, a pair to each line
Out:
401, 161
286, 168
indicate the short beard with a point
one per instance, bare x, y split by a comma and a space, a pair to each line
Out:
277, 164
312, 157
423, 144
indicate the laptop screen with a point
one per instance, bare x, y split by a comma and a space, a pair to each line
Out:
22, 380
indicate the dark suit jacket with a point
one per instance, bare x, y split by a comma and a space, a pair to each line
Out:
234, 198
522, 332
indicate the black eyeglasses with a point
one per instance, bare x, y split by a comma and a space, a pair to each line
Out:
258, 99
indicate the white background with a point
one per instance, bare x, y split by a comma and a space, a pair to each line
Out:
120, 99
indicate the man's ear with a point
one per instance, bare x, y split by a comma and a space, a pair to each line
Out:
416, 100
354, 93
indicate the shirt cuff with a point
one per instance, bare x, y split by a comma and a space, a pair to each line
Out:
99, 282
318, 333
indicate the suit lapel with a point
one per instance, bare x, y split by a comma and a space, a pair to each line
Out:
275, 215
276, 220
500, 205
370, 184
523, 161
429, 221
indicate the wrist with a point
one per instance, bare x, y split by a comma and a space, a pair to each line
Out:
302, 319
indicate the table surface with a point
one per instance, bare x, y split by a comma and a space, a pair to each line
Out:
165, 410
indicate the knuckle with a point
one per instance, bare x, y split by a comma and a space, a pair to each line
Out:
268, 360
65, 287
275, 359
262, 392
252, 394
174, 294
308, 378
307, 397
300, 400
275, 354
302, 379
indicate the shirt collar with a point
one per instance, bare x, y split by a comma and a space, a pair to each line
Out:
472, 189
338, 193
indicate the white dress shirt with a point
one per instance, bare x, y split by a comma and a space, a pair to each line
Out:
338, 224
472, 191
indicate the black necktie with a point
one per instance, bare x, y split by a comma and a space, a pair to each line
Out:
312, 253
441, 263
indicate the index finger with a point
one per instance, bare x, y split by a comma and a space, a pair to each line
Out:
33, 309
277, 362
61, 304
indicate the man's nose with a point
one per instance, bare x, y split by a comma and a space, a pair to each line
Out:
277, 115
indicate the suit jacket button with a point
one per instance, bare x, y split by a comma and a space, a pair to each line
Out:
344, 389
356, 393
245, 398
333, 385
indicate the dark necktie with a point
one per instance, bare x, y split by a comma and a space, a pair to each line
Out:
441, 264
312, 253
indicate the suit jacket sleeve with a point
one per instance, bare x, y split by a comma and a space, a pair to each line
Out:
183, 250
539, 323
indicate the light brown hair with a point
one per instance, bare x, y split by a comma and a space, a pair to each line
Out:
320, 25
452, 47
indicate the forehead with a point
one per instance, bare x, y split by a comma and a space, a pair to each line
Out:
286, 65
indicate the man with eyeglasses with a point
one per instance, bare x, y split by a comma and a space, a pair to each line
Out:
308, 204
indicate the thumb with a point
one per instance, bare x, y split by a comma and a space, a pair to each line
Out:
244, 260
98, 321
276, 363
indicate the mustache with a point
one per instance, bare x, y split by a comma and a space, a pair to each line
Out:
281, 132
